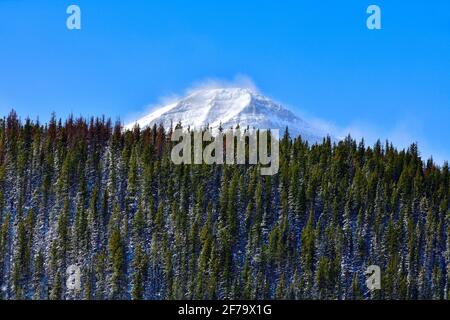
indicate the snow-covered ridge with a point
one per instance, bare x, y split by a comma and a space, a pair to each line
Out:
229, 107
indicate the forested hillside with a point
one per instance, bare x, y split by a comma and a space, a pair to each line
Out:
87, 193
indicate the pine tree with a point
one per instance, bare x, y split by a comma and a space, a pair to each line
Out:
140, 274
116, 254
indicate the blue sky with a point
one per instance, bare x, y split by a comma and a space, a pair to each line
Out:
317, 57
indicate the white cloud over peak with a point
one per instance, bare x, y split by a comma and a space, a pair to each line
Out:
402, 134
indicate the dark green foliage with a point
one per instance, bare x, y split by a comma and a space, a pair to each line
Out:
112, 203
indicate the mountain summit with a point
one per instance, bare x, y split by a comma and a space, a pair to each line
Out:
229, 107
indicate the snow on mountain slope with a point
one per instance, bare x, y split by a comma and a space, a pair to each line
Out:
229, 107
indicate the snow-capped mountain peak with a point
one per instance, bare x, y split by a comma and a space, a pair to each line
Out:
229, 107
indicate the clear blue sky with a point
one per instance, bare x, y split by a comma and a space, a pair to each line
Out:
316, 56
